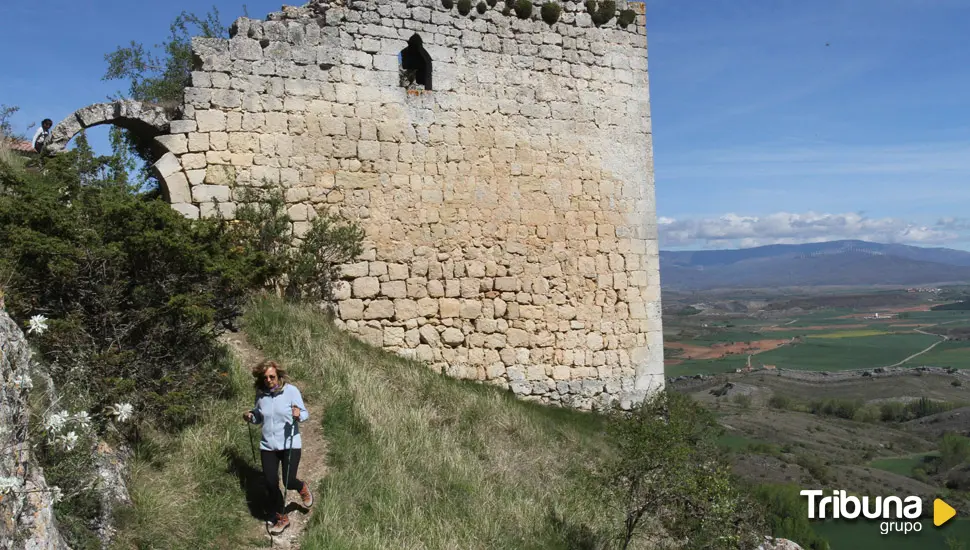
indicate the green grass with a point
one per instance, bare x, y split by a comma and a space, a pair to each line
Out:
418, 460
935, 316
184, 491
849, 334
903, 465
947, 354
737, 442
415, 459
865, 534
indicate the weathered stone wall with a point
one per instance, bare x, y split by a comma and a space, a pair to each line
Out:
509, 211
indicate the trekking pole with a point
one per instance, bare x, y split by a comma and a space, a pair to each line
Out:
289, 458
251, 444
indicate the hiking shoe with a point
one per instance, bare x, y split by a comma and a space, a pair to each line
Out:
306, 495
282, 522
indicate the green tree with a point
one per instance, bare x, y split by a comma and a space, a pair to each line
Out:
954, 450
159, 75
668, 467
135, 292
301, 269
6, 112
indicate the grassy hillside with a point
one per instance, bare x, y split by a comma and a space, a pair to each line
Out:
416, 460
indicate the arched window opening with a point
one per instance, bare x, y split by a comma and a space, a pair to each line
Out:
415, 65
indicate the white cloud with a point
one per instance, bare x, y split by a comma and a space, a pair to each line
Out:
737, 231
953, 224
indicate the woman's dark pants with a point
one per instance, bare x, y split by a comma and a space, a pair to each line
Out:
272, 460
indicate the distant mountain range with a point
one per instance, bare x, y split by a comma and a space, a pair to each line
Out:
841, 263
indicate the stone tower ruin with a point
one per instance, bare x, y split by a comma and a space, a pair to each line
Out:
501, 167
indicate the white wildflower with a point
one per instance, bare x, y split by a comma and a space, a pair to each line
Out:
83, 419
56, 422
69, 440
56, 494
123, 411
23, 381
8, 484
38, 324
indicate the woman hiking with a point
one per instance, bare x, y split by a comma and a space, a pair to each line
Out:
279, 408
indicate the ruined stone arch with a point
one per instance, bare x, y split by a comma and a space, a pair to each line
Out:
142, 118
151, 122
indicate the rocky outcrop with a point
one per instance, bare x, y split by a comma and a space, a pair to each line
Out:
778, 544
26, 501
112, 467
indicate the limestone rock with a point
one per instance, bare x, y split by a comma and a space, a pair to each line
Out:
27, 513
778, 544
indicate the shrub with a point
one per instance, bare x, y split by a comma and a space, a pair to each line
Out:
550, 12
743, 400
779, 402
954, 450
956, 383
523, 9
135, 292
482, 8
299, 269
464, 7
602, 12
626, 18
816, 468
900, 412
840, 408
492, 3
788, 515
447, 4
667, 459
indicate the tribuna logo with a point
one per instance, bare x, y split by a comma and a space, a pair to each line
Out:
839, 505
850, 507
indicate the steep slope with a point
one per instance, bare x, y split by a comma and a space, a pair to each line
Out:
413, 460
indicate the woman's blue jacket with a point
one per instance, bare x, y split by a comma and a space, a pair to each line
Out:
274, 410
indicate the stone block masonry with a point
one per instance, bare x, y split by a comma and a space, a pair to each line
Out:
509, 210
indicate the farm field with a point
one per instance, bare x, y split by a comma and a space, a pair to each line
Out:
825, 426
825, 339
947, 354
826, 353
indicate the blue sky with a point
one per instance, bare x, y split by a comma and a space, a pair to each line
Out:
773, 120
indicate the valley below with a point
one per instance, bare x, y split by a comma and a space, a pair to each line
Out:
865, 390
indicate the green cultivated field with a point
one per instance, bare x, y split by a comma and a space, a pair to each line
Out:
902, 465
818, 354
947, 354
934, 316
847, 353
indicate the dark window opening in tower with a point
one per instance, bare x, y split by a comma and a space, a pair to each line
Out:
415, 65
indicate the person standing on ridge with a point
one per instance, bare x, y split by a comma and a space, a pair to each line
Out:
42, 135
279, 408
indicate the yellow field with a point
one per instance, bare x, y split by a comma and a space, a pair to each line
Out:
848, 334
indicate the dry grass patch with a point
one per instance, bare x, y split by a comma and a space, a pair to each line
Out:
418, 460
